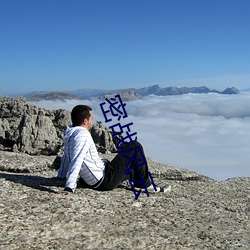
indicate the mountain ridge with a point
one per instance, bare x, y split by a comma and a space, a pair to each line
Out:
130, 93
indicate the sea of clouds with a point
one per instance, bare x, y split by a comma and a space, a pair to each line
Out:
207, 133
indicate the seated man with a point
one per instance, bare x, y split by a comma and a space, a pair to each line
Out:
81, 158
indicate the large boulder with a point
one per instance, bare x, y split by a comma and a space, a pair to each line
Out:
126, 95
29, 129
37, 133
103, 139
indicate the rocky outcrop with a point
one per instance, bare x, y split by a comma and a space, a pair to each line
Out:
126, 95
157, 90
132, 94
26, 128
198, 213
230, 91
53, 96
32, 130
16, 162
103, 139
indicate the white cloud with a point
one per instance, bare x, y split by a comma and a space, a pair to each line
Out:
207, 133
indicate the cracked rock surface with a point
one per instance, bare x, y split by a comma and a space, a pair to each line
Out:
199, 213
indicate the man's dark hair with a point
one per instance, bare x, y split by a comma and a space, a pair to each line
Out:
79, 113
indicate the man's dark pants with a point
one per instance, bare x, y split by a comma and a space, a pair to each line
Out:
115, 170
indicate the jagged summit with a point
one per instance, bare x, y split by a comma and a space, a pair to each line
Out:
173, 90
53, 96
128, 94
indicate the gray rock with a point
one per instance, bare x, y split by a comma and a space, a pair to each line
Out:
126, 95
230, 91
198, 213
26, 128
173, 90
37, 133
29, 129
103, 139
53, 96
17, 162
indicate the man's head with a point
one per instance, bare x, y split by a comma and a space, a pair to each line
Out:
81, 115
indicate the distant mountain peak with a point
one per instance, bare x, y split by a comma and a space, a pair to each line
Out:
173, 90
53, 96
128, 94
230, 91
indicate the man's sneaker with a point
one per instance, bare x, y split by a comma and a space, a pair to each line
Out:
150, 189
166, 188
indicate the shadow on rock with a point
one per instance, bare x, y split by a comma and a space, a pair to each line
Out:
35, 182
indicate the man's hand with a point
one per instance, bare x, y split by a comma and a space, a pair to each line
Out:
66, 191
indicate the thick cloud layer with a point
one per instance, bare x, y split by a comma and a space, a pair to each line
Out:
208, 133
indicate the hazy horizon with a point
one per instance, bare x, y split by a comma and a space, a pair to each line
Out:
118, 88
206, 133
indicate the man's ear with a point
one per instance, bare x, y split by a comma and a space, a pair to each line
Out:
85, 121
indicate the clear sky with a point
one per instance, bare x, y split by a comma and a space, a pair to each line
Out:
71, 44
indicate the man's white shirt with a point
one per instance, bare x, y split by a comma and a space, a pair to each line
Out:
80, 157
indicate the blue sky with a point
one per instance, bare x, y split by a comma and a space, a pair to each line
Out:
66, 45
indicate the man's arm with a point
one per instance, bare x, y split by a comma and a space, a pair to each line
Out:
78, 148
